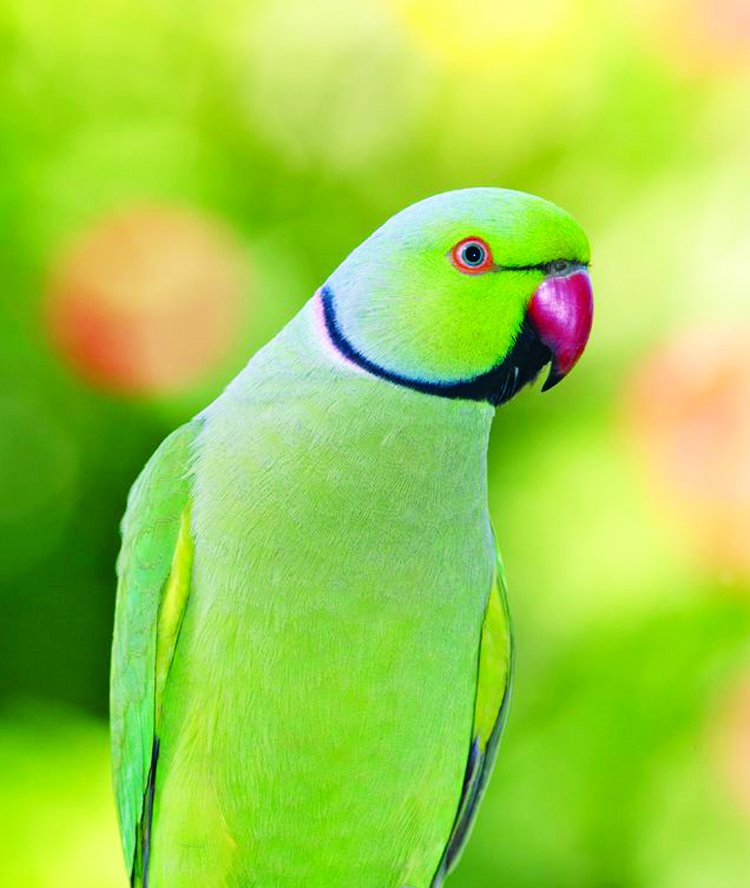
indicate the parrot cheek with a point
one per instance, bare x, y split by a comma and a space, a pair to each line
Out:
561, 312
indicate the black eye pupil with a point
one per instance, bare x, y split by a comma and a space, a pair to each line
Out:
473, 254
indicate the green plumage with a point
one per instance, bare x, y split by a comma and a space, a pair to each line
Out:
150, 531
296, 688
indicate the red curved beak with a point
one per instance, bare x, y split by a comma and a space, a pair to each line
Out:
561, 311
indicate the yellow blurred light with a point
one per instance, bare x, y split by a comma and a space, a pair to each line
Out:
485, 32
332, 84
57, 812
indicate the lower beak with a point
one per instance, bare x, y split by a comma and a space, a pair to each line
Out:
561, 312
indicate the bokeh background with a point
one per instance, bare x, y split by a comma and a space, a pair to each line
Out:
175, 180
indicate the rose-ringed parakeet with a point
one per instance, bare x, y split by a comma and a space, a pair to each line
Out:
312, 652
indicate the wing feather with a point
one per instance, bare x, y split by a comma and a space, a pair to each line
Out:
153, 571
494, 674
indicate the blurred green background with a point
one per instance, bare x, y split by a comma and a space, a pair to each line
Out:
176, 178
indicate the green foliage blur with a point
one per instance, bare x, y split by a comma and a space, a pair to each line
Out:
272, 137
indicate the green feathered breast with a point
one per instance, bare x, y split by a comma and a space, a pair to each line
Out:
324, 709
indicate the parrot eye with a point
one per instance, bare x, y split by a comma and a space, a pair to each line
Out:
472, 256
559, 267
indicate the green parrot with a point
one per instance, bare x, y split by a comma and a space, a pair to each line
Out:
312, 651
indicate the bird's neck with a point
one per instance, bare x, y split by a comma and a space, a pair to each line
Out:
301, 374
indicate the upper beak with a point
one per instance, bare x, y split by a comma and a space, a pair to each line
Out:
561, 311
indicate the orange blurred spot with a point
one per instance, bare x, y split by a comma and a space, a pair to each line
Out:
692, 415
699, 35
733, 744
147, 300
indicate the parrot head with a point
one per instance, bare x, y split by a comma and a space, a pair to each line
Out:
467, 294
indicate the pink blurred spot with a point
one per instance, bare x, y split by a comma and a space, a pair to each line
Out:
147, 300
692, 415
698, 36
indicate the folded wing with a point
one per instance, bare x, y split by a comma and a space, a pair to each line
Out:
154, 568
490, 711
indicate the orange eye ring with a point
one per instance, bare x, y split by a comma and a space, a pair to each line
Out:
472, 255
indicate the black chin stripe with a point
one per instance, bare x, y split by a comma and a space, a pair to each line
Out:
520, 367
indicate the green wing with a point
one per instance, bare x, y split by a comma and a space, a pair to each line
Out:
153, 569
490, 711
